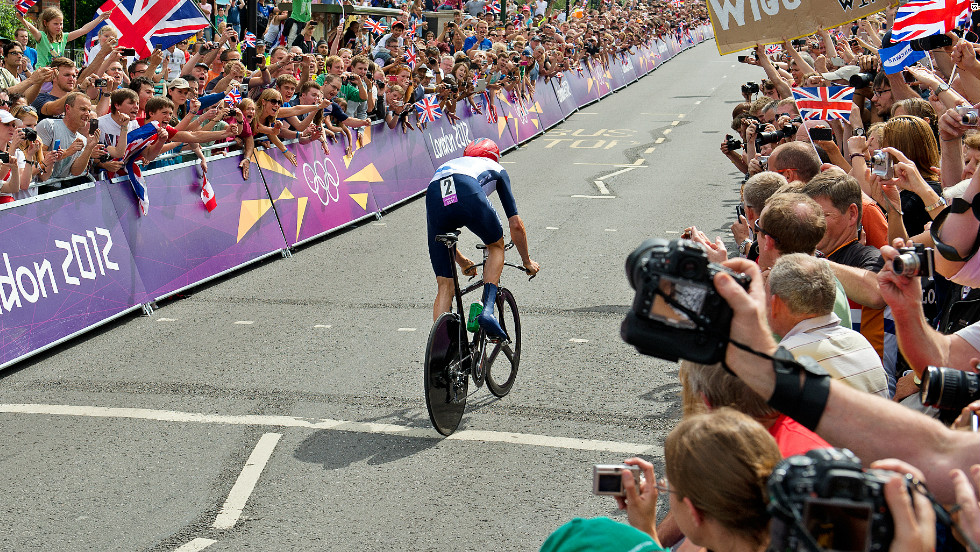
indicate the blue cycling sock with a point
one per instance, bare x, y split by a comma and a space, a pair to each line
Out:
489, 298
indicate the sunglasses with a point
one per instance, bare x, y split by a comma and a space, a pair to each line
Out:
276, 102
761, 231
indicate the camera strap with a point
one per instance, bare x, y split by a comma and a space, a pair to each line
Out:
804, 403
959, 205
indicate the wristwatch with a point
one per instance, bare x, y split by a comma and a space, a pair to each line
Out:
941, 88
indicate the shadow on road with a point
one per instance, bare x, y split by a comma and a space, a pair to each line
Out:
340, 449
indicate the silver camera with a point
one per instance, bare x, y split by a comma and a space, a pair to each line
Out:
969, 116
764, 162
881, 165
607, 479
915, 261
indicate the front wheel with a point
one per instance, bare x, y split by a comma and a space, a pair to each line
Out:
503, 357
446, 382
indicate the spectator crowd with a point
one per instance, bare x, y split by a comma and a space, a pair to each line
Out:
860, 328
66, 121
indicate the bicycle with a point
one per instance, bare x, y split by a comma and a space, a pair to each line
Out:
452, 357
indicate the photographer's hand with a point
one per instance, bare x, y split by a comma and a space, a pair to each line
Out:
915, 527
968, 516
640, 501
903, 294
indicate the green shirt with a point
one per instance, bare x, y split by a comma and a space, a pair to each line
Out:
47, 50
350, 93
301, 10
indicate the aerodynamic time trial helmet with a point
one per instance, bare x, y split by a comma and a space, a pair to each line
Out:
483, 147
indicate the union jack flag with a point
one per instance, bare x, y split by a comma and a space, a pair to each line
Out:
138, 140
24, 5
493, 7
490, 107
410, 56
233, 96
374, 26
148, 24
428, 109
207, 194
824, 103
519, 104
249, 40
921, 18
773, 49
413, 28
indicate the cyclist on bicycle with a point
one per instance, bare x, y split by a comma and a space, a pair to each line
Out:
457, 197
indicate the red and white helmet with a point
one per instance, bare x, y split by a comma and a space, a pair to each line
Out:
483, 147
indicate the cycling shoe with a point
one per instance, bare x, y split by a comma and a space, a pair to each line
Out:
489, 324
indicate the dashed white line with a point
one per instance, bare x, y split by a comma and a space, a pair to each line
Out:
671, 232
576, 340
232, 509
325, 424
245, 322
660, 140
166, 319
638, 164
196, 545
680, 115
650, 150
667, 130
697, 102
610, 229
580, 196
379, 224
551, 228
322, 325
508, 162
406, 329
674, 123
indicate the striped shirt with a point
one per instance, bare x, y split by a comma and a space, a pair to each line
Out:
844, 353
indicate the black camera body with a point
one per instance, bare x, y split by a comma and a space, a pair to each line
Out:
918, 260
731, 143
771, 137
840, 505
750, 88
30, 134
861, 80
680, 270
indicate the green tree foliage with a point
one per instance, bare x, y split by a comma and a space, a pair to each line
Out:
8, 21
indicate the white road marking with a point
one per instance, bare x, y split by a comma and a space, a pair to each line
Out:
602, 187
680, 115
650, 150
671, 232
619, 172
379, 224
322, 325
594, 197
508, 162
406, 329
674, 123
660, 140
551, 228
245, 322
166, 319
232, 509
667, 130
613, 164
196, 545
324, 424
697, 102
610, 229
575, 340
585, 113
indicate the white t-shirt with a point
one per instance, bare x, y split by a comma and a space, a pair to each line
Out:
175, 61
21, 163
540, 6
111, 130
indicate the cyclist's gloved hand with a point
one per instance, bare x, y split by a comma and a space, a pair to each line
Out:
532, 268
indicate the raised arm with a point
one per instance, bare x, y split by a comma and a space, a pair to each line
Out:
84, 29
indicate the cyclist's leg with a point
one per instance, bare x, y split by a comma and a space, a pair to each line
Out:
484, 223
439, 222
444, 296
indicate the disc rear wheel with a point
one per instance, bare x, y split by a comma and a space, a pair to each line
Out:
446, 382
503, 357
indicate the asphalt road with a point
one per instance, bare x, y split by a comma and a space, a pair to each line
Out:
293, 389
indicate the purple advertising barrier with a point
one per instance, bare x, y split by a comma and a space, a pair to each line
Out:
179, 243
620, 71
316, 196
405, 163
584, 89
601, 77
65, 268
546, 104
640, 60
521, 119
564, 95
471, 126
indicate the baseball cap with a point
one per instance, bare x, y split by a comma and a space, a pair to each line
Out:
397, 24
178, 83
844, 73
204, 65
6, 117
598, 535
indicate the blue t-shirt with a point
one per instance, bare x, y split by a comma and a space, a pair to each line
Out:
470, 41
31, 54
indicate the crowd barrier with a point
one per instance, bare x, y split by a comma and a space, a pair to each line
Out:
78, 258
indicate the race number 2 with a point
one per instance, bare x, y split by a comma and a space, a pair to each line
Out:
448, 188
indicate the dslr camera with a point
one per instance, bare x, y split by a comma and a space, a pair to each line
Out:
949, 388
771, 137
825, 498
918, 260
676, 312
607, 479
861, 80
750, 88
881, 165
731, 143
30, 134
968, 115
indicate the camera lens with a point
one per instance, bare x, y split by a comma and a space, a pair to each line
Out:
907, 264
948, 388
970, 118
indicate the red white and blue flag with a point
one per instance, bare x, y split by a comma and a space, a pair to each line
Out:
138, 140
410, 56
249, 40
24, 5
773, 49
824, 103
490, 107
207, 194
374, 26
428, 109
493, 6
921, 18
233, 96
148, 24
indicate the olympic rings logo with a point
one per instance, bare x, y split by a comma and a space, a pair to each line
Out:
316, 173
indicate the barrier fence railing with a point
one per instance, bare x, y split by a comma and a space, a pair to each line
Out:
77, 258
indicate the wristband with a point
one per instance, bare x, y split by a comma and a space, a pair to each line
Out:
804, 403
853, 155
936, 205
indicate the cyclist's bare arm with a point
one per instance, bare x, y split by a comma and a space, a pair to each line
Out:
518, 235
467, 266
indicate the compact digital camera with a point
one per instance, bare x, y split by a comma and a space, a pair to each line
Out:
826, 494
881, 165
607, 479
676, 312
918, 260
969, 116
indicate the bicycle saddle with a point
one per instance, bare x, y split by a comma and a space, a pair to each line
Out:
448, 239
